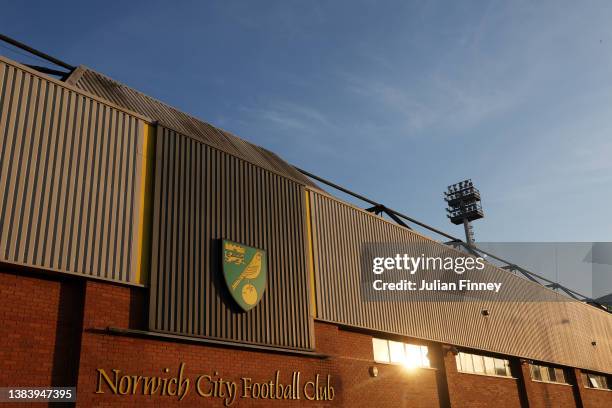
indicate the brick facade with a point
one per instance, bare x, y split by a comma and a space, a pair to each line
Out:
475, 390
545, 395
53, 333
40, 330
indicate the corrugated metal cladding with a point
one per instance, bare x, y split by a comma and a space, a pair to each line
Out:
68, 166
559, 332
203, 195
129, 98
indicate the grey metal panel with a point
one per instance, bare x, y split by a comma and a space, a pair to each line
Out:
119, 94
68, 178
559, 332
203, 195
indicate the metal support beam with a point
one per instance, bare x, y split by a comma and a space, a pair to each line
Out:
377, 209
569, 293
396, 219
36, 52
367, 200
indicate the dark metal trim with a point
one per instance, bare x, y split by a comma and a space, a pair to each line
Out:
396, 218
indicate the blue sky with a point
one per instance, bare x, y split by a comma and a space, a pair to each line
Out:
392, 99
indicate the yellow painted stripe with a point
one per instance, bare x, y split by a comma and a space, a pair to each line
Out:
142, 241
313, 298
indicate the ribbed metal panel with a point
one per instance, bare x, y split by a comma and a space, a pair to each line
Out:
129, 98
203, 195
559, 332
68, 166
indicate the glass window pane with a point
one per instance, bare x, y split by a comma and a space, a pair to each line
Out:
381, 350
500, 367
585, 380
535, 372
600, 380
466, 363
489, 365
396, 350
413, 355
560, 375
508, 371
425, 356
478, 364
474, 363
544, 371
551, 374
593, 381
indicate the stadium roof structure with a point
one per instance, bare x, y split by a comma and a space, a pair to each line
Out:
128, 98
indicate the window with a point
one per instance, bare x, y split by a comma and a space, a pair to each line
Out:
540, 372
381, 350
416, 356
489, 365
599, 381
535, 372
544, 374
479, 367
502, 367
395, 352
467, 364
479, 364
560, 375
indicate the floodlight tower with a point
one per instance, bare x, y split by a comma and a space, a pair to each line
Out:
463, 200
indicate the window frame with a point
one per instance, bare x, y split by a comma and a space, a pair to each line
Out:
423, 352
386, 347
466, 363
601, 380
548, 374
399, 347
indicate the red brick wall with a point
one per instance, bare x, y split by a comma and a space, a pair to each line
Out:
40, 330
352, 357
107, 305
474, 390
596, 398
546, 395
52, 333
592, 398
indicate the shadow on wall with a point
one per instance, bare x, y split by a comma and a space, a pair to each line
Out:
68, 329
139, 310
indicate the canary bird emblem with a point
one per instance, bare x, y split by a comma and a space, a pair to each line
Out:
245, 272
252, 270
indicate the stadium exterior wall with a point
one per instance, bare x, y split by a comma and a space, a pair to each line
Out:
61, 347
113, 208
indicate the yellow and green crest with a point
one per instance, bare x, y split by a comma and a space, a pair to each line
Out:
245, 270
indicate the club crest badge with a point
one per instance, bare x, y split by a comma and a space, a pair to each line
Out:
245, 271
